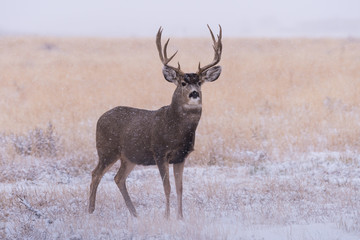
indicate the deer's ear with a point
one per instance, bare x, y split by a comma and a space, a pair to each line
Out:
169, 74
211, 74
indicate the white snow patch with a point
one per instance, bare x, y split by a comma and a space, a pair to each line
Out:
316, 196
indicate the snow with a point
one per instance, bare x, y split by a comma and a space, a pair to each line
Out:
315, 196
316, 231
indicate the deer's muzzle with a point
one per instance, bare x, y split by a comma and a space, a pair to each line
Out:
194, 94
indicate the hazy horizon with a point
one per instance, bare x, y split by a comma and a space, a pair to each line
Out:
111, 18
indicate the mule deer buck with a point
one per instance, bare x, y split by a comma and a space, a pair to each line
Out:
162, 137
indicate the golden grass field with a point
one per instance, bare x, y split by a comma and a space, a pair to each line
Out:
278, 135
277, 97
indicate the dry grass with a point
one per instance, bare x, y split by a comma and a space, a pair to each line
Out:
227, 206
276, 104
275, 97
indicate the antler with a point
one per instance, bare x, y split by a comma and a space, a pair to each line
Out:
217, 48
164, 59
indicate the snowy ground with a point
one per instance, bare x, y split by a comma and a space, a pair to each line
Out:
277, 148
316, 196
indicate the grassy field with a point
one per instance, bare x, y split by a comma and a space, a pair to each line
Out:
279, 97
279, 104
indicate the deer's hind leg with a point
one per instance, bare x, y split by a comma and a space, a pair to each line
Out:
120, 179
105, 162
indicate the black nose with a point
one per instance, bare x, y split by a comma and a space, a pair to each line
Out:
194, 94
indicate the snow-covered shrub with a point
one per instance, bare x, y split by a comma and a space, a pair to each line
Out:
39, 142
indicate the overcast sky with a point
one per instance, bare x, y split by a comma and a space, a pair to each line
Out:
184, 18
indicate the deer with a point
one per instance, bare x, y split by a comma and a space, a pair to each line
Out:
155, 137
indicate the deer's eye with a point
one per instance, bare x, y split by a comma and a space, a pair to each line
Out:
183, 84
199, 83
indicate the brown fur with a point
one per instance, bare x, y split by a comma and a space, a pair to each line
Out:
162, 137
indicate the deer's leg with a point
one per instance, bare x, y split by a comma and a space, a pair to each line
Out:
120, 179
178, 174
164, 173
103, 165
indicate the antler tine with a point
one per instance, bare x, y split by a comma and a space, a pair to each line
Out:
158, 44
212, 35
220, 32
163, 52
217, 46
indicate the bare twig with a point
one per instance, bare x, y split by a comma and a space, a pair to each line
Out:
30, 208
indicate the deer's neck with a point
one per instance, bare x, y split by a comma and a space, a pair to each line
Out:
184, 112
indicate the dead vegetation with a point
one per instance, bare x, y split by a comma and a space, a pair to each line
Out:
277, 97
283, 121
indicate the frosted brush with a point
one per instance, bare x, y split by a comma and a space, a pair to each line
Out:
162, 137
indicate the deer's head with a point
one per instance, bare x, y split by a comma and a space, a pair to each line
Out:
188, 91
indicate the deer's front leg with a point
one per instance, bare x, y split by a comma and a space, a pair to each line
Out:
178, 174
164, 173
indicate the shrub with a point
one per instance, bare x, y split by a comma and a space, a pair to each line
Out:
38, 142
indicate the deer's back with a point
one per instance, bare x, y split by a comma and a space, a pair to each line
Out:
126, 131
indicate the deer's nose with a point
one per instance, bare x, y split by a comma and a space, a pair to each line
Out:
194, 94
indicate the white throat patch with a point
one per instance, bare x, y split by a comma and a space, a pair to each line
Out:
193, 104
194, 101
